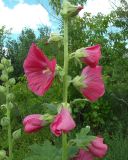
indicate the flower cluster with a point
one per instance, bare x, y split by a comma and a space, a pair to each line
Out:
90, 82
40, 73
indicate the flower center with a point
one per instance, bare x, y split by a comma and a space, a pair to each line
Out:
46, 71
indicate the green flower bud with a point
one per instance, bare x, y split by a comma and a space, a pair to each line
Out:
10, 69
10, 105
10, 96
4, 77
4, 121
2, 154
12, 81
16, 134
69, 10
2, 89
1, 66
54, 37
78, 82
4, 61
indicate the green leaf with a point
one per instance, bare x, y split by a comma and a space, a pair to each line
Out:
72, 151
82, 140
45, 151
50, 108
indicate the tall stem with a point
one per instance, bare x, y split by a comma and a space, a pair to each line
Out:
65, 86
9, 127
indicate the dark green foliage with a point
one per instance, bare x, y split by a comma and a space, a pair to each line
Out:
46, 151
118, 146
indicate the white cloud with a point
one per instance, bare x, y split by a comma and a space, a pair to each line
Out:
23, 15
95, 6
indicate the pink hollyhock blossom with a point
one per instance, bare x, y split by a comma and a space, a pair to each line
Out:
92, 55
98, 148
39, 70
63, 122
93, 83
33, 123
84, 155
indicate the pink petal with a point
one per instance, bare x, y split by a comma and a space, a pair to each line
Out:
84, 155
94, 84
63, 122
30, 117
98, 148
30, 128
94, 54
39, 70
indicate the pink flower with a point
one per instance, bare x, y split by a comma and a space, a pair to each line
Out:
63, 122
98, 148
39, 70
33, 123
92, 55
93, 83
84, 155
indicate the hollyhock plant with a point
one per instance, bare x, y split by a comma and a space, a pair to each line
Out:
33, 123
90, 83
39, 70
63, 122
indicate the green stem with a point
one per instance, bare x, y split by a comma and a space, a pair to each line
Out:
65, 86
9, 127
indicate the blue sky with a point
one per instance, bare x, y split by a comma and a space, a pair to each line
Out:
18, 14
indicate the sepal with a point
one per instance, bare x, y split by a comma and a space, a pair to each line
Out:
16, 134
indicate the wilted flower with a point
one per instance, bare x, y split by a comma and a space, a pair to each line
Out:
90, 83
63, 122
33, 123
40, 71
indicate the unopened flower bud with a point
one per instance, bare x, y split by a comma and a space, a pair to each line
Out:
2, 154
10, 105
70, 10
54, 37
10, 69
12, 81
4, 77
4, 61
1, 66
2, 89
78, 82
4, 121
16, 134
10, 96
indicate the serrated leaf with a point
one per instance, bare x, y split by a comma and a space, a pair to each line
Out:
72, 151
82, 140
45, 151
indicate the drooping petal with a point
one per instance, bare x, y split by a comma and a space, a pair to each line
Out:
98, 148
33, 123
93, 54
84, 155
39, 70
30, 128
94, 84
63, 122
